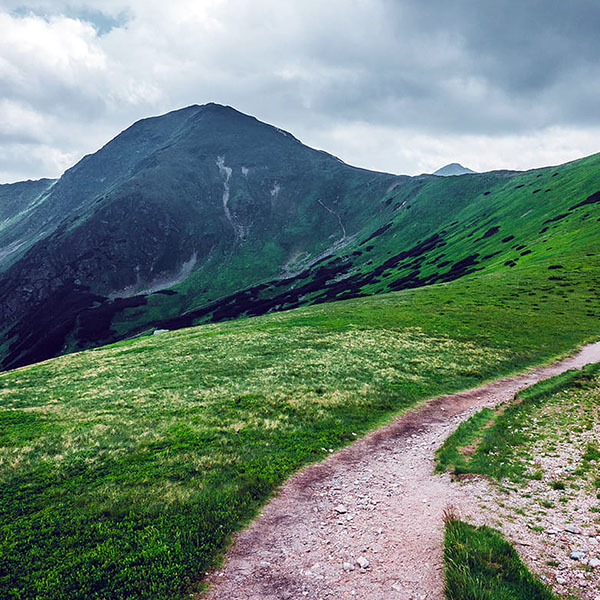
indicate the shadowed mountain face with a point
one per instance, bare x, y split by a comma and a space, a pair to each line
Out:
207, 214
204, 196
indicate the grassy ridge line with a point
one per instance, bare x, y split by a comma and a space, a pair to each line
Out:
481, 565
498, 436
123, 470
493, 221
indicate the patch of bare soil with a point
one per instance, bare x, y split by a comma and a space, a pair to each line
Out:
367, 523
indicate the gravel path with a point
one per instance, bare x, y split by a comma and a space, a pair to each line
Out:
367, 523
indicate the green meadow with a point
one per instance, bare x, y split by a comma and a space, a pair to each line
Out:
124, 469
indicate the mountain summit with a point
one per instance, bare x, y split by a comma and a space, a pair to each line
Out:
206, 214
204, 197
452, 169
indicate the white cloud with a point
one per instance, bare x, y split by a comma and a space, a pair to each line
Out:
19, 122
412, 152
395, 85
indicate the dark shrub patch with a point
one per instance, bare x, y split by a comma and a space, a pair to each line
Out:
490, 232
376, 233
557, 218
593, 199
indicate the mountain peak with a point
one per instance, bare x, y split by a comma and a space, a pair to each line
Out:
452, 169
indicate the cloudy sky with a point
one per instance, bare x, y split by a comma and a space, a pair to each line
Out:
403, 86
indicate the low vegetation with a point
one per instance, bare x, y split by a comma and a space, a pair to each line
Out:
481, 565
542, 450
499, 443
124, 470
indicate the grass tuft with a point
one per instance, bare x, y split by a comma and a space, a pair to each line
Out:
481, 565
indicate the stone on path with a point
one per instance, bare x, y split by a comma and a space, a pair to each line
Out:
573, 529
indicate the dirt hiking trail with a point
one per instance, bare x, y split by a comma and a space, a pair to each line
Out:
366, 523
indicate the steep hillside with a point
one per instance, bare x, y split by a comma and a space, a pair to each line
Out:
15, 198
206, 214
17, 201
204, 195
430, 230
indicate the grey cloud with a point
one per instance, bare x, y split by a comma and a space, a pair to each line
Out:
521, 54
466, 67
526, 51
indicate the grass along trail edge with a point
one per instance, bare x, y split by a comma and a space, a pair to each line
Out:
540, 459
367, 523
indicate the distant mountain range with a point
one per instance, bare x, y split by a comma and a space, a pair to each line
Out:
205, 214
452, 169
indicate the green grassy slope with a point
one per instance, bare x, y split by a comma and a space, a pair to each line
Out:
481, 565
429, 230
206, 214
124, 469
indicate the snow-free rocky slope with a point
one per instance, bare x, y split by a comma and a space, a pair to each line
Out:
206, 214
